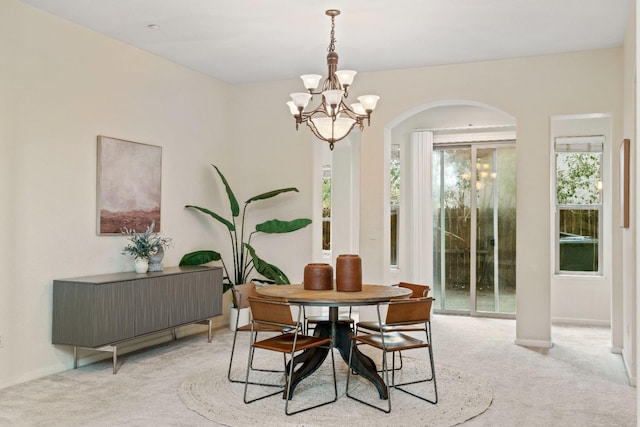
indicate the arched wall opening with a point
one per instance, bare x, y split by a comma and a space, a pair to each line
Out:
412, 233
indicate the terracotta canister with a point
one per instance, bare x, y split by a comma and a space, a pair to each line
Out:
318, 277
348, 273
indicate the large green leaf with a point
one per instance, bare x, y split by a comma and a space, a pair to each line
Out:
269, 271
200, 257
214, 215
277, 226
270, 194
233, 202
279, 278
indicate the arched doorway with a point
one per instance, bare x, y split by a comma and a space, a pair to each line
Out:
451, 201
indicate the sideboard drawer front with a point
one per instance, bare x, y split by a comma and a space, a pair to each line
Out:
152, 313
113, 312
195, 299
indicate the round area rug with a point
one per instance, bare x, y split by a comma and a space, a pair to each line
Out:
461, 396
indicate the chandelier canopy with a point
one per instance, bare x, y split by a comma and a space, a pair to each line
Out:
333, 119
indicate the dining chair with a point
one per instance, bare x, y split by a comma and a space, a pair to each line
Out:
277, 313
389, 339
241, 294
418, 291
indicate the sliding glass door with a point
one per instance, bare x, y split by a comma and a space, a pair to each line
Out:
474, 225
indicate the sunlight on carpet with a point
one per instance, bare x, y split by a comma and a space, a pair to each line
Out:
462, 396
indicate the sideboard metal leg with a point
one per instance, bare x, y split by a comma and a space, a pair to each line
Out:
75, 357
210, 335
115, 360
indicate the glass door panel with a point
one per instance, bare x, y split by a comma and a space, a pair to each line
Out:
452, 228
474, 229
485, 229
506, 249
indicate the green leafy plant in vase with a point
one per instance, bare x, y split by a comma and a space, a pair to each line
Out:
142, 246
245, 261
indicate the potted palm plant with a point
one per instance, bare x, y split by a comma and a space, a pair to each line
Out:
245, 264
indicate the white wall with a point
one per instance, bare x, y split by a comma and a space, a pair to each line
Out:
63, 85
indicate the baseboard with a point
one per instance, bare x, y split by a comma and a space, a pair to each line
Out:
579, 322
630, 373
533, 343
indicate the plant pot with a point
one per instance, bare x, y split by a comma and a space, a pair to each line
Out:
242, 320
141, 265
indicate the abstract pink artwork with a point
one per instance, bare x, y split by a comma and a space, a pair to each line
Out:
129, 185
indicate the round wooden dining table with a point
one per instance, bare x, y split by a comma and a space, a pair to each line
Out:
340, 332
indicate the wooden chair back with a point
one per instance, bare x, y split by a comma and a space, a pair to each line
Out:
241, 294
411, 311
271, 312
418, 291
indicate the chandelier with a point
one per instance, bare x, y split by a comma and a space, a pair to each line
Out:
333, 119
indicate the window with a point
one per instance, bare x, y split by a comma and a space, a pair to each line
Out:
394, 202
578, 204
326, 209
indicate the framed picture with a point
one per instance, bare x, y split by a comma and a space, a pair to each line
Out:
129, 185
625, 154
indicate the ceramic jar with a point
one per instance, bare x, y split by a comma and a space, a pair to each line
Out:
348, 273
318, 277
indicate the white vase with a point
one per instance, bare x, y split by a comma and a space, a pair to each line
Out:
242, 320
141, 265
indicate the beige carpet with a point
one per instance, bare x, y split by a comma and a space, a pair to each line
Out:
463, 396
577, 383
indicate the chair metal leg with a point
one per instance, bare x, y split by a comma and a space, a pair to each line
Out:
335, 386
392, 384
247, 382
251, 350
432, 378
385, 375
287, 385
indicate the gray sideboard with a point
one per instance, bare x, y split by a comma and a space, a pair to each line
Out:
100, 312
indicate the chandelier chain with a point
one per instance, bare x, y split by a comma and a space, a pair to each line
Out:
332, 42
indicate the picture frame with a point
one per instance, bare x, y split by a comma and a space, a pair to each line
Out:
625, 161
129, 186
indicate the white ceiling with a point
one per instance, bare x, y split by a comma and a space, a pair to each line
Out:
242, 41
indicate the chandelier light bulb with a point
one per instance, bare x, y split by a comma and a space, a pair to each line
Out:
369, 102
358, 109
333, 97
292, 108
346, 77
311, 81
300, 99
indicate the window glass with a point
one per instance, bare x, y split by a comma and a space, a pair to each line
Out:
578, 204
326, 208
395, 202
